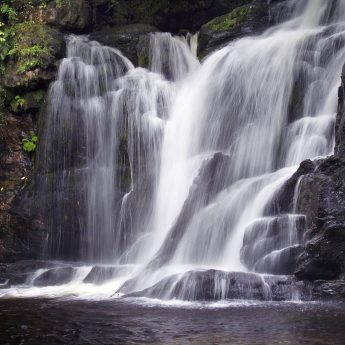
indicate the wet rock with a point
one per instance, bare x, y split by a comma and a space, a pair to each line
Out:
18, 273
126, 39
321, 198
329, 291
55, 276
213, 285
212, 178
100, 274
283, 201
282, 261
250, 18
270, 245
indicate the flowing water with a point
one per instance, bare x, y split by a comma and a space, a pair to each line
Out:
150, 176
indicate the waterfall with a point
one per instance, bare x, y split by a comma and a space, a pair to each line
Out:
171, 170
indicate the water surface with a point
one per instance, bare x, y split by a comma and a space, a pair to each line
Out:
36, 321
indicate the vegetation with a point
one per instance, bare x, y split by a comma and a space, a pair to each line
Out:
17, 103
30, 144
231, 20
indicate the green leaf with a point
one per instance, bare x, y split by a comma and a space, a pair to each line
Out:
29, 146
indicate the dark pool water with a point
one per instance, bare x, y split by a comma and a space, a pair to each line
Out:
52, 322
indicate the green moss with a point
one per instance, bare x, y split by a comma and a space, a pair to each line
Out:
229, 21
30, 46
29, 144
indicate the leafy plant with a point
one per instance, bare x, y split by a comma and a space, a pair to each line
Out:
7, 10
17, 103
30, 144
30, 46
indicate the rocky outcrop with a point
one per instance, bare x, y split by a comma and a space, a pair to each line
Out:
167, 15
321, 198
130, 40
322, 195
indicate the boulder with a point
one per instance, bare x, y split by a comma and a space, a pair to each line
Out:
251, 18
126, 39
55, 276
321, 198
75, 15
283, 200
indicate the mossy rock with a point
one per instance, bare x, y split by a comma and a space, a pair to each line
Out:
69, 15
244, 20
229, 21
32, 61
30, 101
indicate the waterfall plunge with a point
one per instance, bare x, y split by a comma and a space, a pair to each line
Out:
231, 116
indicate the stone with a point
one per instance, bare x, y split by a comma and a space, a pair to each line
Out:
241, 21
67, 15
321, 198
125, 38
55, 276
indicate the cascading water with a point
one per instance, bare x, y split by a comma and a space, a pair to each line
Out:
171, 172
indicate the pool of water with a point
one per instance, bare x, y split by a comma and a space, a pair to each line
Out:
50, 322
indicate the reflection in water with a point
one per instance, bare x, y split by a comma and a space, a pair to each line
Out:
114, 322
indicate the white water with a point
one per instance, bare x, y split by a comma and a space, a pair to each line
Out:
177, 116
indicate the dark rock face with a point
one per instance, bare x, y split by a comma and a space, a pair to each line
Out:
340, 121
20, 234
322, 200
126, 39
167, 15
284, 199
329, 291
